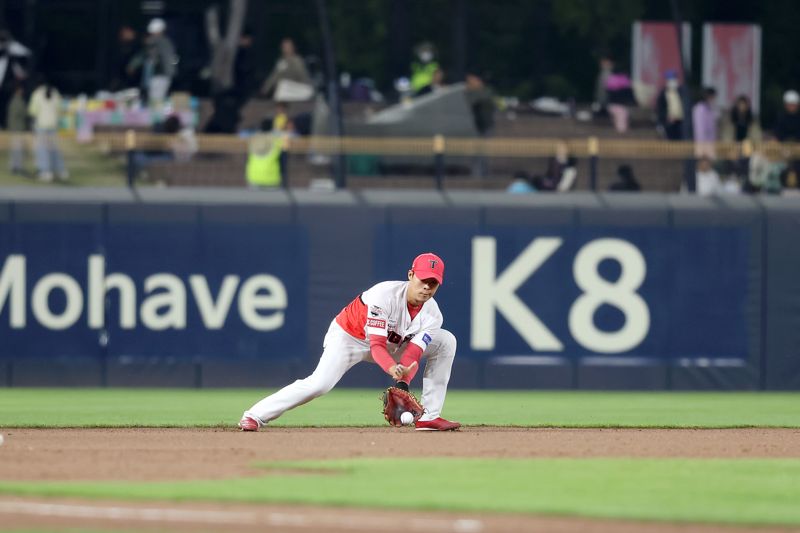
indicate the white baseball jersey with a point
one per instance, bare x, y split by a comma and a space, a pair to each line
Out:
383, 310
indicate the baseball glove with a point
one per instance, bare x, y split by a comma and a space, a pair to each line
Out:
396, 402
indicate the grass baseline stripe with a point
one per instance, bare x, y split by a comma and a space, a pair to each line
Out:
740, 491
360, 408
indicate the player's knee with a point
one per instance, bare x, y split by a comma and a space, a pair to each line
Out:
324, 388
447, 342
316, 386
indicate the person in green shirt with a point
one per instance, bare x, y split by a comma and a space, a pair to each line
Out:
423, 70
263, 160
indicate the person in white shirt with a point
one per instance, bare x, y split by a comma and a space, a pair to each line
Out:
45, 108
393, 324
708, 182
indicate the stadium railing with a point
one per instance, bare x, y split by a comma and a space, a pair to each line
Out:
432, 156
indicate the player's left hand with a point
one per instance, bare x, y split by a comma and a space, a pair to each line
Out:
398, 371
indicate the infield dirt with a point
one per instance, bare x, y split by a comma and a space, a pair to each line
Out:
183, 454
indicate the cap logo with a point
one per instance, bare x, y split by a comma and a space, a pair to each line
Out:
433, 263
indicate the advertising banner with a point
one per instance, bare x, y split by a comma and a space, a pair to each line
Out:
202, 289
732, 62
153, 290
655, 51
593, 291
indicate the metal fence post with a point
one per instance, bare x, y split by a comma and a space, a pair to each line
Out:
438, 160
744, 160
593, 147
130, 146
284, 160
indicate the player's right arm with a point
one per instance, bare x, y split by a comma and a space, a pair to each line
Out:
367, 317
377, 329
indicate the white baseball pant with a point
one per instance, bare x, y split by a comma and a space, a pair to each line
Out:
340, 353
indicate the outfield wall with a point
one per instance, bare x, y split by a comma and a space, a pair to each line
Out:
219, 288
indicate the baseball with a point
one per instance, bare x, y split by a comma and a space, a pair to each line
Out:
1, 438
406, 418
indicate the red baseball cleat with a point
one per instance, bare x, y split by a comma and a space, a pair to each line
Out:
437, 424
249, 424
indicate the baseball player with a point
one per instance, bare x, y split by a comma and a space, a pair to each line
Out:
393, 324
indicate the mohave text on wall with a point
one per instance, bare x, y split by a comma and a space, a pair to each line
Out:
261, 300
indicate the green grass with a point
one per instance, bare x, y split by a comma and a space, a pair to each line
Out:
86, 164
360, 407
734, 491
749, 491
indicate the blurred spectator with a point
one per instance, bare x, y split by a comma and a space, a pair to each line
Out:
184, 143
17, 126
289, 78
627, 181
157, 62
561, 171
263, 160
731, 184
12, 70
790, 185
669, 107
124, 54
424, 68
280, 123
226, 115
620, 97
522, 184
763, 175
600, 91
282, 127
708, 182
244, 69
741, 123
481, 102
363, 90
480, 99
181, 146
704, 123
45, 108
436, 84
788, 126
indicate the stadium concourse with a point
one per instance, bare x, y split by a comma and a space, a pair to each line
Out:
227, 170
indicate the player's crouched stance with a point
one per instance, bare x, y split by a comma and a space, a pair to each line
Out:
393, 324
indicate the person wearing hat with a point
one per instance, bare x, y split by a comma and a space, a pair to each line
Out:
669, 107
393, 324
157, 62
787, 128
423, 70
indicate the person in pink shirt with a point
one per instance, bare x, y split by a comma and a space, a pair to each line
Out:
704, 122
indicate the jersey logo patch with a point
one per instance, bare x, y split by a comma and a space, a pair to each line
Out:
376, 323
426, 339
375, 310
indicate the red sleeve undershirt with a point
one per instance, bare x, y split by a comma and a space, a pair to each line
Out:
412, 352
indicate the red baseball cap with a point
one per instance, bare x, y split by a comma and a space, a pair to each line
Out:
428, 265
